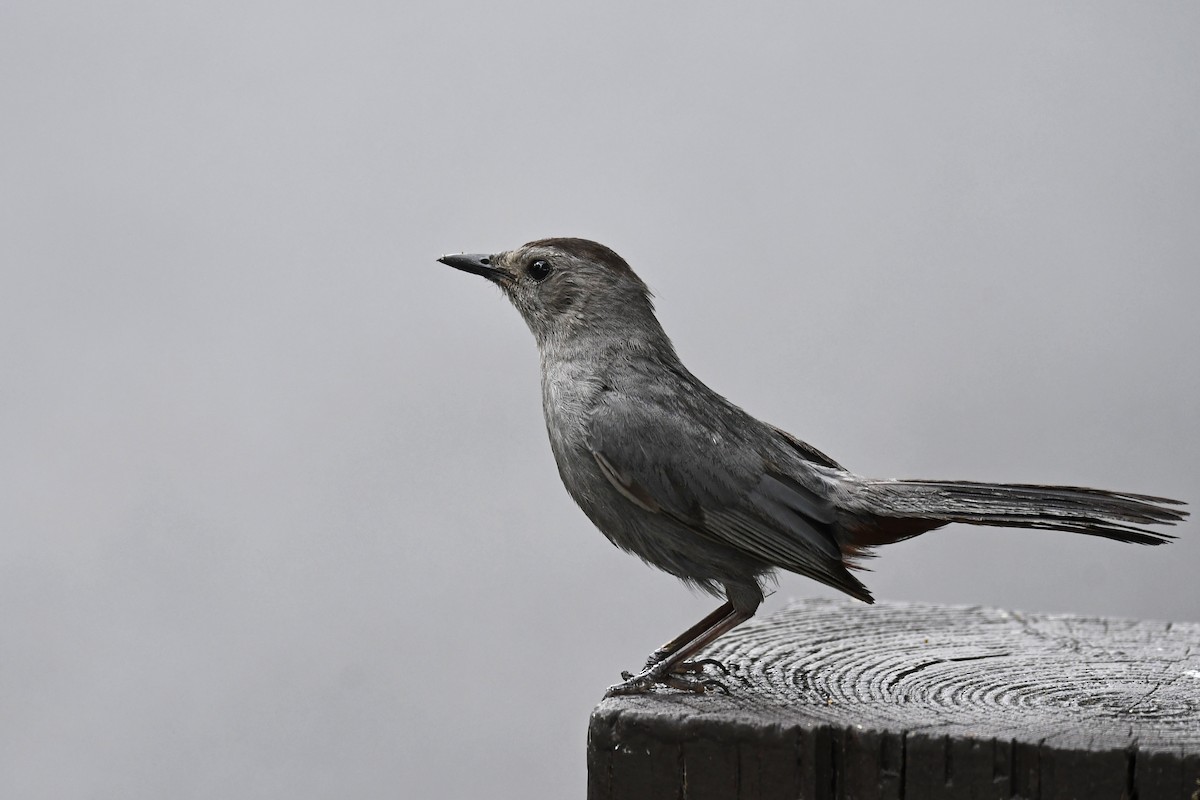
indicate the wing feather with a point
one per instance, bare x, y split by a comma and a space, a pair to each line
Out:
722, 490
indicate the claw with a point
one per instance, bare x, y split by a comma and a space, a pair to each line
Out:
634, 684
679, 677
697, 666
713, 683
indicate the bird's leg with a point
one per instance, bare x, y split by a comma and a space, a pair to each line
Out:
691, 633
673, 669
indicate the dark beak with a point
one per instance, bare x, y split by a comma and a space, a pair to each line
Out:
476, 264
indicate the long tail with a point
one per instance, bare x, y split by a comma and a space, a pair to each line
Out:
904, 508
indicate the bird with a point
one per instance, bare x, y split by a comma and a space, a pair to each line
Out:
672, 472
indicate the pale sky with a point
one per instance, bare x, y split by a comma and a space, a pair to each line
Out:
279, 515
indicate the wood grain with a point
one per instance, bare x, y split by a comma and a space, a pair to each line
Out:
833, 699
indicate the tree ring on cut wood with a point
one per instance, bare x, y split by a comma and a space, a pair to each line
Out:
835, 699
983, 671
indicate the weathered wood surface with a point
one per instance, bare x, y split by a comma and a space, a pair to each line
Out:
918, 702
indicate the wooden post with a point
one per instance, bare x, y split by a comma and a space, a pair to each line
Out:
835, 700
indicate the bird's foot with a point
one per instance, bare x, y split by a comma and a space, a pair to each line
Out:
690, 667
697, 667
682, 668
657, 656
682, 676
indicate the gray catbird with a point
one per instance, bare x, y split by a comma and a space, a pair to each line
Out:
673, 472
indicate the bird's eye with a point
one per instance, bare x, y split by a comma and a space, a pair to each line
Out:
539, 270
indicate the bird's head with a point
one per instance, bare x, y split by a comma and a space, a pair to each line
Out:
567, 288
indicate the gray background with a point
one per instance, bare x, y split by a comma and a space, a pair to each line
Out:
279, 516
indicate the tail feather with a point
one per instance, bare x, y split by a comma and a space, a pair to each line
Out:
1097, 512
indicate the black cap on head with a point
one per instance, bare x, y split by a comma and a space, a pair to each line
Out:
587, 250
